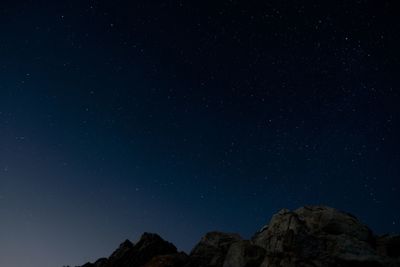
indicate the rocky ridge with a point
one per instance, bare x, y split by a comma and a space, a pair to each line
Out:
311, 236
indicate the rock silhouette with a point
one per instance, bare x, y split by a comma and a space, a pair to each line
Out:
129, 254
311, 236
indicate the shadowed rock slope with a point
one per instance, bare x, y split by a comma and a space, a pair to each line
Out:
312, 236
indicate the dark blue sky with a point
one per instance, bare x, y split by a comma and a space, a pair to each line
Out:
175, 117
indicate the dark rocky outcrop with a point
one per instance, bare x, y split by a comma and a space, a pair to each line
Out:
211, 249
244, 254
319, 236
388, 245
136, 255
312, 236
171, 260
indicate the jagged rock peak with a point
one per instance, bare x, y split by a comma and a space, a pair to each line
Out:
218, 239
136, 255
150, 238
126, 244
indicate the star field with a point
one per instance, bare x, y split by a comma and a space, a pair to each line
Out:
175, 117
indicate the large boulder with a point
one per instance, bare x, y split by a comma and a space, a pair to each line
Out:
244, 254
283, 234
212, 249
318, 236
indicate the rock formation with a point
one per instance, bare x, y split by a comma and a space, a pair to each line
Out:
312, 236
212, 249
130, 255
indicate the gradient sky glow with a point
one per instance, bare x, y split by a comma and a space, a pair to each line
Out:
175, 117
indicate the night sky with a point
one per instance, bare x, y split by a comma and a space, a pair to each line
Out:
182, 117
